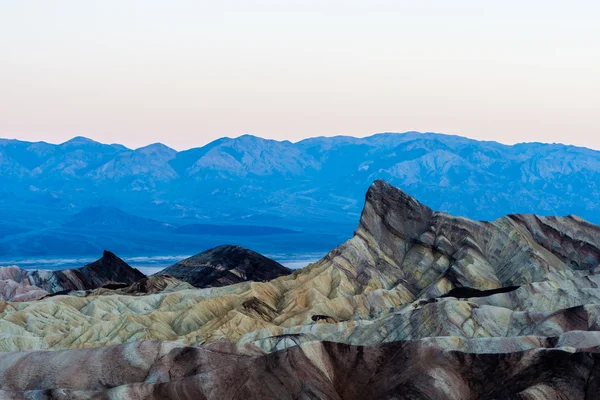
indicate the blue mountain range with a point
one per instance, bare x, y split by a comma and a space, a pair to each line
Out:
82, 196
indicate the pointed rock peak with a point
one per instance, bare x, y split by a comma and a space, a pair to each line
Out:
108, 259
110, 256
385, 194
79, 141
398, 210
115, 268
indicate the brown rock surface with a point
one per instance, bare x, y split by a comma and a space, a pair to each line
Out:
320, 370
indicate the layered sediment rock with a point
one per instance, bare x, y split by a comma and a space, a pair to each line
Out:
384, 284
325, 370
449, 308
20, 291
146, 285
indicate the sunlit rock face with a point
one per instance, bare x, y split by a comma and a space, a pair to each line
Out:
429, 305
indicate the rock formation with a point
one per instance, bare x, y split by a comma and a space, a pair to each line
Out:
146, 285
387, 283
418, 304
19, 291
409, 370
226, 265
39, 283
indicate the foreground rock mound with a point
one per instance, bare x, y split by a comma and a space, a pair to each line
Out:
226, 265
320, 370
19, 291
37, 284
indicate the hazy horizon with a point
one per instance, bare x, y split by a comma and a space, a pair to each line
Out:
187, 72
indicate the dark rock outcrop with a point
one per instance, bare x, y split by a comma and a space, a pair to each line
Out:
226, 265
108, 269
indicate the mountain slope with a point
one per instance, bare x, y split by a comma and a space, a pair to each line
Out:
111, 218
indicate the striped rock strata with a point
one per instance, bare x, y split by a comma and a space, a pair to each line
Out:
448, 308
320, 370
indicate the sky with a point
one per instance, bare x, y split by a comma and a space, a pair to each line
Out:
187, 72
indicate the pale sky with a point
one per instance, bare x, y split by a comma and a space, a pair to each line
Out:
187, 72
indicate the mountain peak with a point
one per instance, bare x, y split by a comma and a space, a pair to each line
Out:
156, 147
399, 212
109, 255
79, 141
384, 196
110, 268
226, 265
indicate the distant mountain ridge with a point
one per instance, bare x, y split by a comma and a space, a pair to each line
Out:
315, 186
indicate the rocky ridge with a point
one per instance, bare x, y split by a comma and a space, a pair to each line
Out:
501, 309
384, 284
